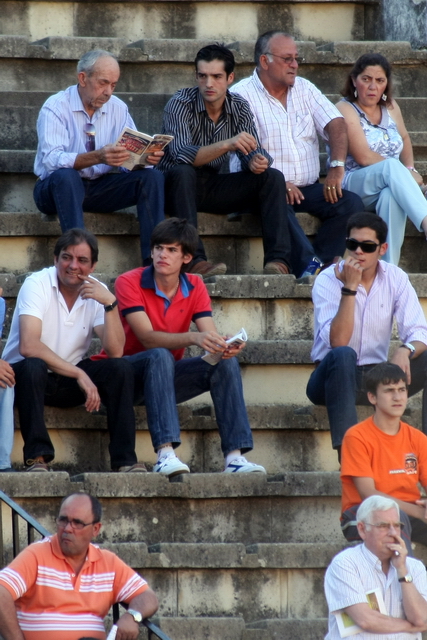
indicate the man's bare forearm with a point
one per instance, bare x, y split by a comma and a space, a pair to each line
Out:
9, 626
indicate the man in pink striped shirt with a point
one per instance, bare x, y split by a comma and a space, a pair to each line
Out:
355, 304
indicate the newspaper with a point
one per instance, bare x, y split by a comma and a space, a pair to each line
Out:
235, 341
347, 626
140, 145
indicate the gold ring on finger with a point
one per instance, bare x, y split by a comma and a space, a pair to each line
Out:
289, 190
333, 187
328, 188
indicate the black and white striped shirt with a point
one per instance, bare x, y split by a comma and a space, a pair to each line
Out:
185, 117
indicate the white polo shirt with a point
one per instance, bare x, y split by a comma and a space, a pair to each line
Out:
66, 333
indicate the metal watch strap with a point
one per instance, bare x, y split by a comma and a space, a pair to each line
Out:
136, 615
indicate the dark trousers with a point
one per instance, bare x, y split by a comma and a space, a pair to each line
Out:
414, 529
36, 387
189, 190
66, 194
337, 383
330, 238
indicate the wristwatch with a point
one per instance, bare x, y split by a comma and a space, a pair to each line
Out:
111, 306
409, 346
407, 578
336, 163
137, 615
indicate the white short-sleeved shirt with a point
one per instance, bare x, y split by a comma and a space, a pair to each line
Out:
66, 333
354, 572
289, 134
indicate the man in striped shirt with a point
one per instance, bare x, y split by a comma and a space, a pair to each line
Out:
208, 123
64, 586
355, 304
290, 113
377, 572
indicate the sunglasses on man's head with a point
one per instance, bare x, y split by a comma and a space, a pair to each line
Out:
367, 246
89, 130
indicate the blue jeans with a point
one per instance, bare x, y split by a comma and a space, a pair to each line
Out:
6, 426
337, 383
330, 238
66, 194
161, 383
389, 189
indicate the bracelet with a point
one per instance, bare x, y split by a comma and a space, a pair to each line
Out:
348, 292
412, 169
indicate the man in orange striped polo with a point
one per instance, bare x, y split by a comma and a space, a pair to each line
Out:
63, 586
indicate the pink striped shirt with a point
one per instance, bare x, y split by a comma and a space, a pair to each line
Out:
392, 297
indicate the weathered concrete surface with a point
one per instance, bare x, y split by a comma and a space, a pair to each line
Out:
222, 21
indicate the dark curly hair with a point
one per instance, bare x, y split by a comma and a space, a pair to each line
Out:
369, 60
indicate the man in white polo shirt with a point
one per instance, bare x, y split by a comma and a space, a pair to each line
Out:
56, 311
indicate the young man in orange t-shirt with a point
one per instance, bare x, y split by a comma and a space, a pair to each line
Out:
385, 456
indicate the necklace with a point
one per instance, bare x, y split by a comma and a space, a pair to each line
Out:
175, 291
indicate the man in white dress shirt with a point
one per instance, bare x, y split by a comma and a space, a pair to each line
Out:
77, 163
289, 114
355, 304
380, 564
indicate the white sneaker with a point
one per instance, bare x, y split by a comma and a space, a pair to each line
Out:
241, 465
170, 465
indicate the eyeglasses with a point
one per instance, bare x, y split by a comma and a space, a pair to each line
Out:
367, 246
89, 130
386, 526
63, 521
288, 59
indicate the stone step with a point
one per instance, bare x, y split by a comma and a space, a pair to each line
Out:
223, 579
20, 109
163, 65
27, 240
291, 629
196, 508
287, 437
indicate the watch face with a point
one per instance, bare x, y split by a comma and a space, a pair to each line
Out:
137, 616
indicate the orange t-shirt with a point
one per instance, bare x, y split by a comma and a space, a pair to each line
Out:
396, 463
51, 602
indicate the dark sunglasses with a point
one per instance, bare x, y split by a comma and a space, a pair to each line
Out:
89, 130
367, 247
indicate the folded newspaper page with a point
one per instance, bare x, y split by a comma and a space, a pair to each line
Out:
347, 627
140, 145
239, 338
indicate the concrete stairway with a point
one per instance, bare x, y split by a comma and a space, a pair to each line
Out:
232, 558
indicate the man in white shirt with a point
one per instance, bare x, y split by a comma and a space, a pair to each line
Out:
78, 164
355, 304
57, 310
289, 114
7, 383
379, 564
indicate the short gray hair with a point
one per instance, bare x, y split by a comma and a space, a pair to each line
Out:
263, 41
374, 503
89, 59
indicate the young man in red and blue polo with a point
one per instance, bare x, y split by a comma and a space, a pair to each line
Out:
157, 305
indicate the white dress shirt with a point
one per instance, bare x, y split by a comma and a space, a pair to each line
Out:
355, 571
391, 297
60, 130
289, 135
